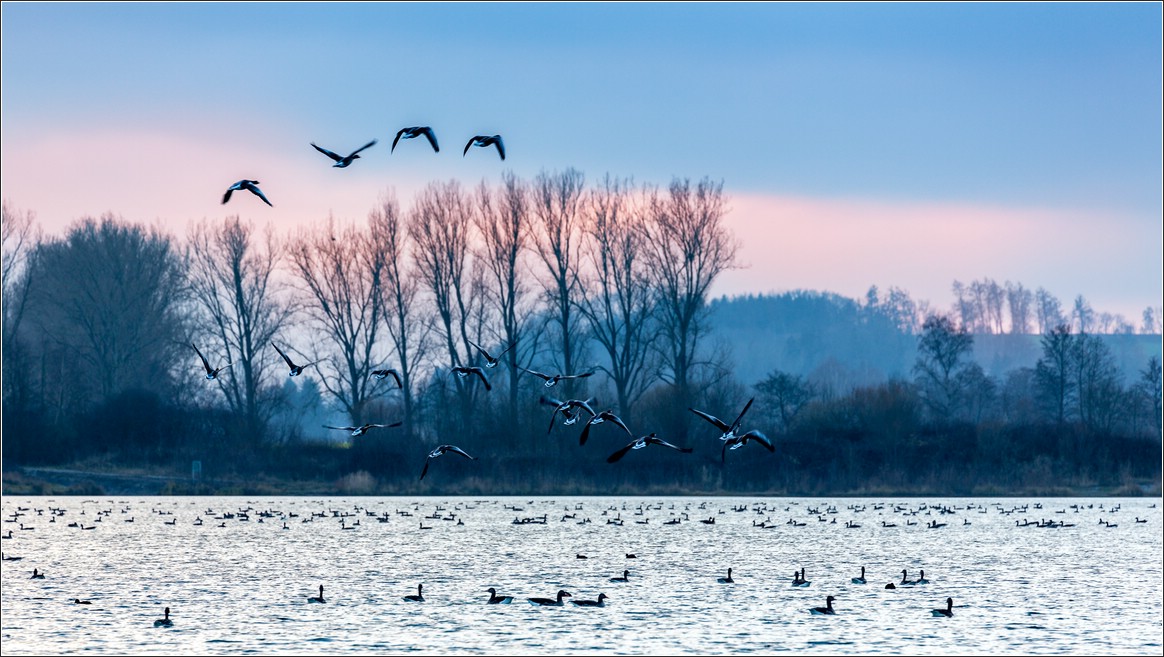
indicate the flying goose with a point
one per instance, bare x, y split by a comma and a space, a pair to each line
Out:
490, 360
440, 451
552, 380
736, 442
566, 409
296, 370
343, 161
381, 374
729, 431
364, 428
599, 419
466, 371
484, 141
211, 372
416, 131
639, 443
251, 186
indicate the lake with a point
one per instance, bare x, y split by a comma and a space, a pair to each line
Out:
1026, 575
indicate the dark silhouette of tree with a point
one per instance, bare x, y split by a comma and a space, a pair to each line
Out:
1082, 315
942, 354
240, 307
1048, 311
1056, 389
784, 395
342, 271
1019, 301
687, 247
21, 240
558, 208
618, 308
399, 288
1149, 388
1097, 386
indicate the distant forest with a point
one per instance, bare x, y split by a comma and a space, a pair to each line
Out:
126, 348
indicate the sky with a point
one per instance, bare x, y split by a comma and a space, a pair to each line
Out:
900, 145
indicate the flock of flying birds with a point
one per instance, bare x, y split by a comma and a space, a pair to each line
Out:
344, 161
571, 410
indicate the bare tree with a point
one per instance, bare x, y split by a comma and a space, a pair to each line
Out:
557, 205
686, 247
619, 306
232, 278
21, 239
942, 354
1082, 315
503, 220
1048, 311
343, 272
1019, 301
1151, 321
400, 287
1055, 386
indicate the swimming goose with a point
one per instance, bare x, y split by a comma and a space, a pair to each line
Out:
552, 380
921, 578
296, 370
600, 602
416, 131
728, 579
211, 372
485, 141
320, 598
419, 597
343, 161
736, 442
642, 442
625, 577
380, 374
491, 360
861, 579
495, 599
948, 612
439, 451
251, 186
363, 429
827, 610
466, 371
78, 601
799, 580
566, 409
164, 622
729, 431
904, 580
599, 419
549, 602
37, 574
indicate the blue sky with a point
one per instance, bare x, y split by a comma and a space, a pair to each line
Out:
892, 144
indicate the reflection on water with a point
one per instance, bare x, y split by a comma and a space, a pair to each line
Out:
1038, 576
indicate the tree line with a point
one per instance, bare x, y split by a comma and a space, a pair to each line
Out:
612, 278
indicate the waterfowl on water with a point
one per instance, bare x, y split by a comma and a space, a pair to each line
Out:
625, 577
37, 574
342, 161
439, 451
599, 419
495, 599
861, 579
416, 131
165, 621
649, 439
491, 360
251, 186
466, 371
419, 597
799, 580
485, 141
211, 372
549, 602
827, 610
363, 429
728, 579
78, 601
600, 602
319, 599
948, 612
296, 370
921, 578
904, 580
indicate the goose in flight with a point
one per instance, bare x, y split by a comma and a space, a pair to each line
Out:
566, 408
552, 379
251, 186
440, 451
599, 419
466, 371
416, 131
211, 372
342, 161
296, 370
486, 141
364, 428
381, 374
729, 430
736, 442
639, 443
490, 360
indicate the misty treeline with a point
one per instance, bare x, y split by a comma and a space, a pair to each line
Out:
99, 367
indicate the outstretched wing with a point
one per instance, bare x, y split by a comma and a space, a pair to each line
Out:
397, 140
458, 450
425, 470
258, 192
399, 383
226, 196
585, 434
500, 146
584, 405
736, 424
203, 358
617, 420
367, 145
664, 443
480, 373
468, 145
431, 138
719, 424
511, 346
328, 426
328, 153
760, 438
285, 358
615, 457
482, 350
545, 377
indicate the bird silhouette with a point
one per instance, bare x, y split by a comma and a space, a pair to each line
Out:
380, 374
736, 442
364, 428
566, 408
599, 419
416, 131
211, 372
490, 360
296, 370
649, 439
439, 451
552, 379
485, 141
466, 371
729, 431
344, 160
251, 186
